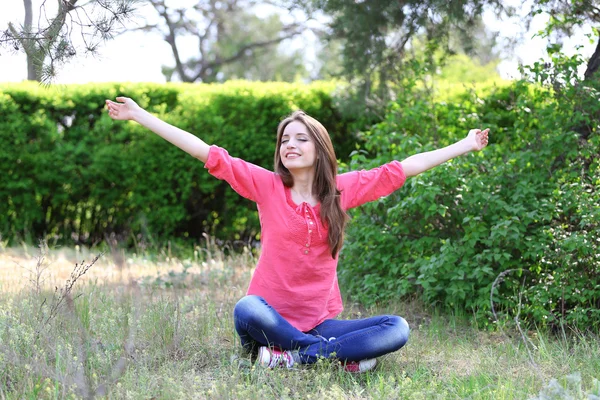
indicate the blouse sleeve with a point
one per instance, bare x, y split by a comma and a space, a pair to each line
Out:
248, 180
360, 187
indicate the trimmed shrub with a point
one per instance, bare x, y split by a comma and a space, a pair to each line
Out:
69, 173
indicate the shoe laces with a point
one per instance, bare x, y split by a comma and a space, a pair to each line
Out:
281, 358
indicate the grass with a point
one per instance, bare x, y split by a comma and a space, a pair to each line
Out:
161, 328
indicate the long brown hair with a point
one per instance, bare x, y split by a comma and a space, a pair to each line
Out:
324, 184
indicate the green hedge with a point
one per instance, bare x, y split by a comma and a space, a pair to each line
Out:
528, 205
69, 173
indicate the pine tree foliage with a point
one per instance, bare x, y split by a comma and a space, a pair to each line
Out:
63, 30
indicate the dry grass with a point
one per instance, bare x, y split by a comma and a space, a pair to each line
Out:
18, 268
160, 327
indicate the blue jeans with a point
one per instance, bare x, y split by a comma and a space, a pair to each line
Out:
256, 322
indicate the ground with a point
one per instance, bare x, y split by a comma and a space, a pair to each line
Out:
158, 326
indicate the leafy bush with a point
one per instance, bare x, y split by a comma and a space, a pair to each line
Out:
527, 204
70, 173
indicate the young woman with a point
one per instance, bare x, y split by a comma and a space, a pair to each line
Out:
289, 311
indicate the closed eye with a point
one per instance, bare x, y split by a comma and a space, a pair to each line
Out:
299, 139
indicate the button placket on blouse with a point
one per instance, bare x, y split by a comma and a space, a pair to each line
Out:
308, 223
309, 227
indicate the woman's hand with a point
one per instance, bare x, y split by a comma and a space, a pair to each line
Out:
477, 139
125, 109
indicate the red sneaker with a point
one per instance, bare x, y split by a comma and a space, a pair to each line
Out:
273, 357
358, 367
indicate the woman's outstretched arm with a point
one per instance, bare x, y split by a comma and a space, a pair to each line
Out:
126, 109
475, 141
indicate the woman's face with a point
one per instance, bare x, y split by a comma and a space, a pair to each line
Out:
297, 150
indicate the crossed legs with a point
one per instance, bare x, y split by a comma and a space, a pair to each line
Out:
256, 322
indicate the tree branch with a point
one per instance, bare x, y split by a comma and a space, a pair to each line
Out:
593, 63
242, 52
170, 36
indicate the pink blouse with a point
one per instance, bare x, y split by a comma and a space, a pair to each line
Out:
296, 274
